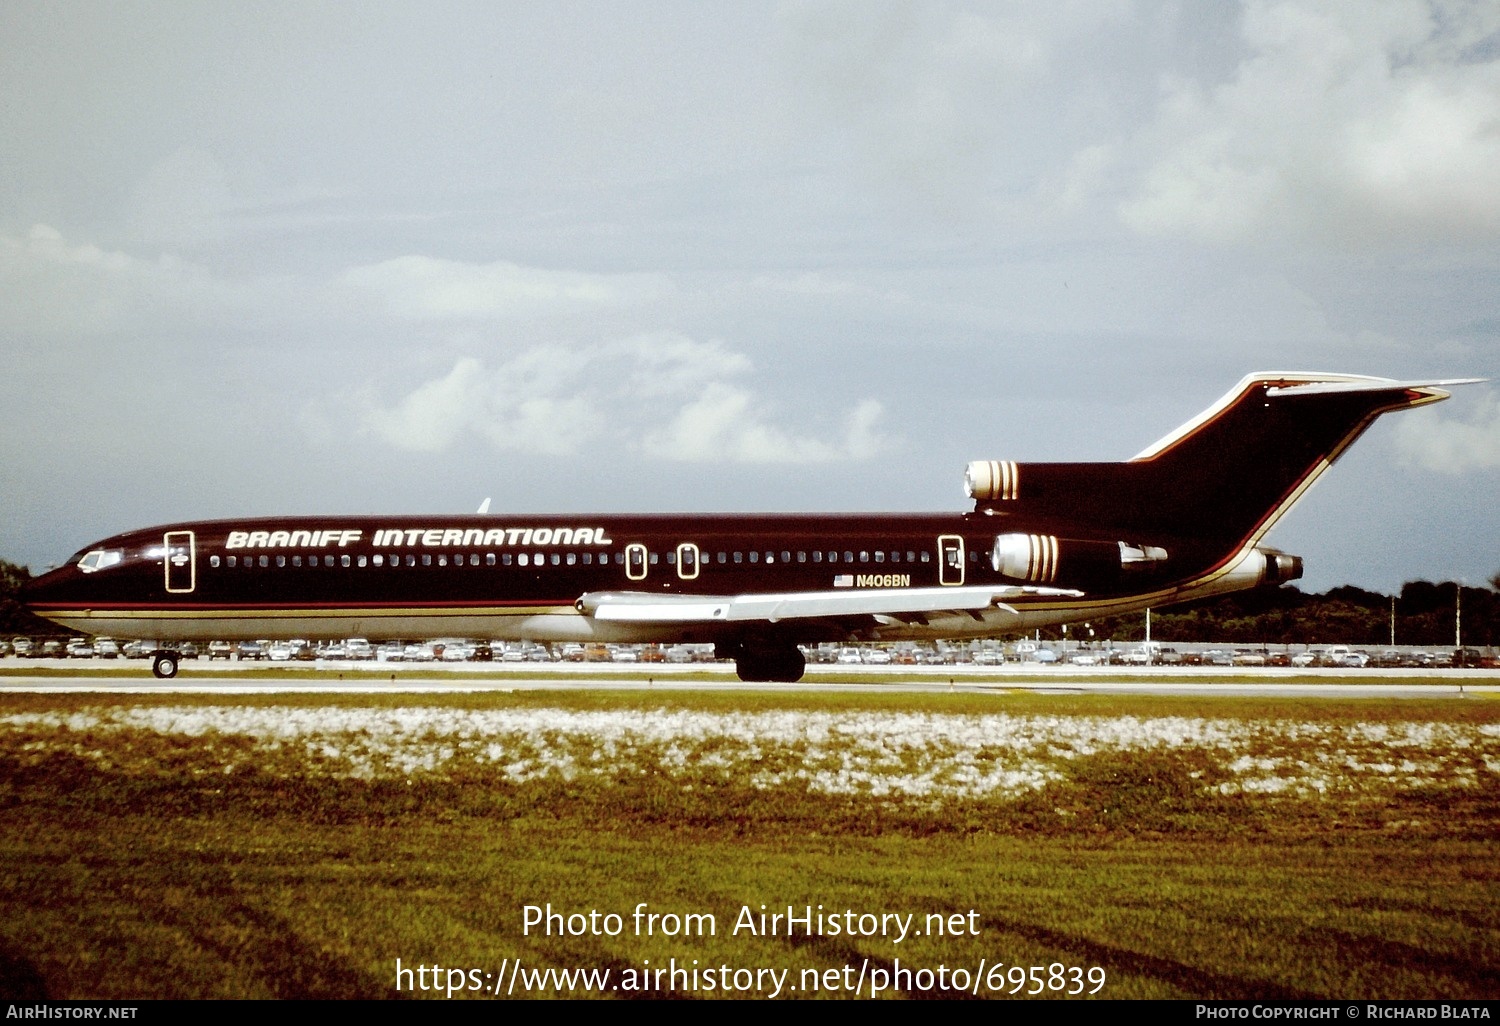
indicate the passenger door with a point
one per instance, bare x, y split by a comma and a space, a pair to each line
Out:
181, 561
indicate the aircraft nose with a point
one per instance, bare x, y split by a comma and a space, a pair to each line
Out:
35, 591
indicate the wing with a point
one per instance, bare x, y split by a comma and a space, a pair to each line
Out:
896, 604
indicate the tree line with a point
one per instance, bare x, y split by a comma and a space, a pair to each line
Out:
1422, 614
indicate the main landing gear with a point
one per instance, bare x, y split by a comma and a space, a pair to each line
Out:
758, 664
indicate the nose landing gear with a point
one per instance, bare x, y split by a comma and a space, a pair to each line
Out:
164, 663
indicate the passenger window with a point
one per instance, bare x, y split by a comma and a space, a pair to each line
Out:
505, 559
213, 560
739, 557
343, 560
786, 557
880, 557
281, 561
523, 559
864, 557
489, 559
755, 557
265, 560
556, 559
572, 558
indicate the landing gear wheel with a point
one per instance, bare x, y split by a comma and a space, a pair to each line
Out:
783, 665
789, 666
164, 665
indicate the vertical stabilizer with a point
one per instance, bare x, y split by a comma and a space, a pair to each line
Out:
1226, 475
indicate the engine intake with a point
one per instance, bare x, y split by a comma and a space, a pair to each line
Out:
988, 480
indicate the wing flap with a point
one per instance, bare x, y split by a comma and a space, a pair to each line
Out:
641, 607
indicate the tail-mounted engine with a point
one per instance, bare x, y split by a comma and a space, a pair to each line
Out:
991, 480
1046, 559
1279, 568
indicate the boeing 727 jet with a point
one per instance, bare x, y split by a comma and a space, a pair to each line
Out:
1043, 544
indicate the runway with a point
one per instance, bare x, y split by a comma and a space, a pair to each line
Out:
47, 677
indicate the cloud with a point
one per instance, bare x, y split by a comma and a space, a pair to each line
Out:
938, 105
663, 396
726, 424
422, 287
1345, 122
51, 286
181, 200
1449, 445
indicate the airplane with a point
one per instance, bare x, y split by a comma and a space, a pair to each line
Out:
1044, 544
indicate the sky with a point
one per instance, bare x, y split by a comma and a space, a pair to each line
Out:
306, 257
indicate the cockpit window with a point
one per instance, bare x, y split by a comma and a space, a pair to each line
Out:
100, 559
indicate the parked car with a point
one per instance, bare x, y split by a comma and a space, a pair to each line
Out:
106, 648
252, 650
80, 649
219, 650
22, 646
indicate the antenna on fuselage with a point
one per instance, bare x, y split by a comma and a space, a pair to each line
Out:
484, 507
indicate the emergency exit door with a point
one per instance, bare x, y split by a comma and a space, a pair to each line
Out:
950, 559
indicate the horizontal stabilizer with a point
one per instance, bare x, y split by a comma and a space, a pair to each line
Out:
1372, 385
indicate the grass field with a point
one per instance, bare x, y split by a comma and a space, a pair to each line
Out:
1132, 846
